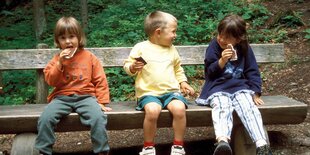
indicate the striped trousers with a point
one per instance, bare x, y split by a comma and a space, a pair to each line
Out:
223, 105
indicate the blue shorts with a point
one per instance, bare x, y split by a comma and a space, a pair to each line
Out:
163, 100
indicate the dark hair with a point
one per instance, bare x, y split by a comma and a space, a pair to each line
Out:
234, 26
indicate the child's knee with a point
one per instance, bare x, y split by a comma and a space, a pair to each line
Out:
46, 118
176, 105
152, 112
178, 111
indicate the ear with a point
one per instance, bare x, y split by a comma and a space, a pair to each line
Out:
157, 31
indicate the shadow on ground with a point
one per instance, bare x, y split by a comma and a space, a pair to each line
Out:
204, 147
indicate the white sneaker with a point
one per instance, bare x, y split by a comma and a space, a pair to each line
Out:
148, 151
177, 150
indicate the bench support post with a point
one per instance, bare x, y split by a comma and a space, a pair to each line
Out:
1, 85
242, 143
24, 144
41, 88
41, 85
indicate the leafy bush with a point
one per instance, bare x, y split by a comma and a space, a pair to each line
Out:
19, 87
307, 36
120, 84
291, 19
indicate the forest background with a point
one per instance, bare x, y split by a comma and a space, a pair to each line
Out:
110, 23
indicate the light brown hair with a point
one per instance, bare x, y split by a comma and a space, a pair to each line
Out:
157, 19
72, 26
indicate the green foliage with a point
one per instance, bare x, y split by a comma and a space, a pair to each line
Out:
293, 20
191, 71
120, 84
16, 29
290, 19
267, 35
120, 23
295, 60
307, 36
18, 87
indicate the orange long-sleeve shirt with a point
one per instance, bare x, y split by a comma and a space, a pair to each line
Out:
82, 74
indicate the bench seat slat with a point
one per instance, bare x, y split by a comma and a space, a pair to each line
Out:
18, 119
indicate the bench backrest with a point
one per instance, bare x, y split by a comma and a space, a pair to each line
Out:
114, 56
24, 59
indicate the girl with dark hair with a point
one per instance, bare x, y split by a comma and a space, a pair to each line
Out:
233, 83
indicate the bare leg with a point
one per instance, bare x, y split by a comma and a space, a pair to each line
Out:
152, 111
177, 109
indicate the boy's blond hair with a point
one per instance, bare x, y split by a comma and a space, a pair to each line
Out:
157, 19
72, 26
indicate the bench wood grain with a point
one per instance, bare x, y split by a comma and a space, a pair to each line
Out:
19, 119
114, 56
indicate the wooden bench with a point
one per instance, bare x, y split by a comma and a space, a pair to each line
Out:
22, 119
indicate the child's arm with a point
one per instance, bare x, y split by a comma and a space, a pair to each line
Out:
53, 72
99, 80
213, 66
257, 100
251, 72
186, 88
131, 64
54, 69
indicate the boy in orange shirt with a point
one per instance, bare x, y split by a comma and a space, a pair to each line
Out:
80, 85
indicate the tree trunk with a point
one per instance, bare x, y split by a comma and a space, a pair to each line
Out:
39, 18
84, 14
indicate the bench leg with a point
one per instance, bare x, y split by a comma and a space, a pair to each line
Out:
24, 144
242, 143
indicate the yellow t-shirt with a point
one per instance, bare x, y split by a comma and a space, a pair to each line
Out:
162, 73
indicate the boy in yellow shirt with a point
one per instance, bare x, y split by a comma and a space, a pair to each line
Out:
160, 79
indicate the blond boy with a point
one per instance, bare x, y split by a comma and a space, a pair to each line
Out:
160, 79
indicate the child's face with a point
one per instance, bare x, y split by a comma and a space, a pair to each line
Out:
68, 40
223, 41
168, 34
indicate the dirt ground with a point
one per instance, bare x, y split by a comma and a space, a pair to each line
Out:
291, 79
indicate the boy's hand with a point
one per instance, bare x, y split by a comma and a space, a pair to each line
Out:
186, 88
136, 66
257, 100
104, 108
